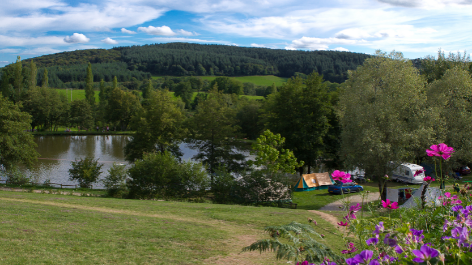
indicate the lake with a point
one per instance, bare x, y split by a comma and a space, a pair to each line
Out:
57, 153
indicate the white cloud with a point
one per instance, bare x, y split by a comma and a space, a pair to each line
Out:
308, 43
80, 17
160, 31
9, 51
186, 33
76, 38
123, 30
40, 51
258, 45
109, 41
165, 31
28, 41
427, 4
179, 39
340, 49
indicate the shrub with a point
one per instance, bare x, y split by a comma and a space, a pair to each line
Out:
16, 177
115, 181
161, 175
85, 171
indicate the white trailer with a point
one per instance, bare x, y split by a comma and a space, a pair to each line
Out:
406, 173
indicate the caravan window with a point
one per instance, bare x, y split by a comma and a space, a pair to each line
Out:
407, 172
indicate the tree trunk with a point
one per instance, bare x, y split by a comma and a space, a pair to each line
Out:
383, 189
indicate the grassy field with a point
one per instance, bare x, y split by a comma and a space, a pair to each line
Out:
80, 94
65, 229
258, 80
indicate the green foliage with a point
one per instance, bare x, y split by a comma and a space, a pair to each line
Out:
300, 112
294, 241
384, 116
213, 130
185, 92
85, 171
185, 59
248, 117
122, 106
434, 68
158, 127
271, 156
16, 144
161, 175
89, 92
47, 108
450, 98
115, 181
45, 79
81, 114
16, 177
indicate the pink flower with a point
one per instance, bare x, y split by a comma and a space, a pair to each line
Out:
441, 150
418, 172
343, 224
428, 178
390, 205
341, 176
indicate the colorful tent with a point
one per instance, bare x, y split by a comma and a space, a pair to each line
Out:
314, 181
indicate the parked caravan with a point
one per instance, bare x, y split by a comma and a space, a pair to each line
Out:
406, 173
314, 181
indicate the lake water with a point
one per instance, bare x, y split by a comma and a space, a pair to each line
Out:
57, 153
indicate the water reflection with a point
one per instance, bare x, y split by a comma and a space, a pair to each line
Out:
57, 153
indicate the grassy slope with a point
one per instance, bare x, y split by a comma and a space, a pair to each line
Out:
258, 80
60, 229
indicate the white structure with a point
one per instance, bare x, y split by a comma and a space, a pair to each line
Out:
406, 173
431, 197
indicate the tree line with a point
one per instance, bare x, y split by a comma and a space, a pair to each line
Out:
186, 59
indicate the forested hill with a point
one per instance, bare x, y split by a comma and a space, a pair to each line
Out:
185, 59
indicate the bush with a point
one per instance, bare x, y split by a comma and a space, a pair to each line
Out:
161, 175
115, 181
253, 187
16, 177
85, 171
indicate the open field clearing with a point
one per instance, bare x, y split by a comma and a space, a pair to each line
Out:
64, 229
258, 80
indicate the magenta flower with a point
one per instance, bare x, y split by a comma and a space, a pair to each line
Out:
428, 178
424, 253
341, 176
441, 150
343, 224
418, 172
390, 205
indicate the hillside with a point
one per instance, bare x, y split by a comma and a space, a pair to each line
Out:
185, 59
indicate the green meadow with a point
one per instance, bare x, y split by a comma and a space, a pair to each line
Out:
258, 80
78, 94
66, 229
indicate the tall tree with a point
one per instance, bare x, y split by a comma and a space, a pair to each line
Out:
212, 133
45, 80
89, 91
158, 127
434, 68
18, 81
185, 92
451, 98
384, 116
121, 107
81, 114
16, 144
32, 82
299, 112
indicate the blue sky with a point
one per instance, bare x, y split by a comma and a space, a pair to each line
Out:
415, 27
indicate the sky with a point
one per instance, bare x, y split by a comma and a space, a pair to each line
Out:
417, 28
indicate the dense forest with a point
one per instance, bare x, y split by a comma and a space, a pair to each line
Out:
185, 59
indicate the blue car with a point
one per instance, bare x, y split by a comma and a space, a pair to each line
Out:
345, 187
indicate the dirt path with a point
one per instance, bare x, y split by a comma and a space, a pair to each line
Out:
334, 206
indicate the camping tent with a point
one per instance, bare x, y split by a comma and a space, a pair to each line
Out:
314, 181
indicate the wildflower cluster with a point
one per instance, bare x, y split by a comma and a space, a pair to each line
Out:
341, 176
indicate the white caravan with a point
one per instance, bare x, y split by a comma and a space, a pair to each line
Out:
406, 173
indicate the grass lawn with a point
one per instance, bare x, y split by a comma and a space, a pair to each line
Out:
64, 229
258, 80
